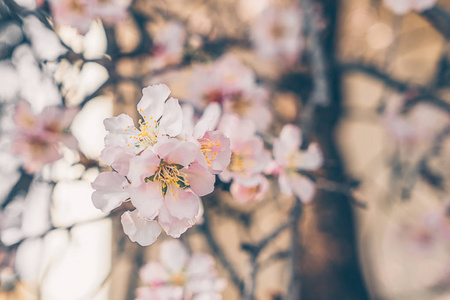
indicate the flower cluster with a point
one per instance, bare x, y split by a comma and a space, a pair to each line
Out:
80, 13
402, 7
38, 138
233, 85
161, 167
179, 276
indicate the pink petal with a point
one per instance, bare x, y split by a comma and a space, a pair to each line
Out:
152, 101
171, 121
117, 158
171, 225
148, 198
182, 204
110, 191
199, 179
174, 151
139, 229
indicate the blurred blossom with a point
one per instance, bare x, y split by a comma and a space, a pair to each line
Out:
9, 81
36, 86
38, 138
45, 42
162, 175
421, 123
233, 85
80, 13
289, 159
168, 46
425, 233
248, 159
277, 34
10, 35
401, 7
180, 276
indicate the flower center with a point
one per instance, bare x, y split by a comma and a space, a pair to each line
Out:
239, 103
214, 96
169, 176
236, 163
77, 7
209, 149
277, 31
178, 279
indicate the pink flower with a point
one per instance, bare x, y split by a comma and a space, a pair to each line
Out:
420, 124
73, 13
38, 138
214, 145
162, 168
244, 194
80, 13
402, 7
231, 84
248, 159
277, 34
289, 159
168, 46
177, 275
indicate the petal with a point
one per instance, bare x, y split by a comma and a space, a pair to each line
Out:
182, 204
200, 179
238, 130
117, 158
311, 159
302, 187
142, 166
288, 142
284, 184
173, 255
171, 225
153, 273
121, 131
171, 121
208, 121
110, 191
174, 151
147, 198
152, 101
139, 229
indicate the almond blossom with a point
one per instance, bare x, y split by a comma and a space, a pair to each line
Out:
178, 275
402, 7
80, 13
277, 34
289, 159
38, 138
249, 159
162, 168
168, 46
231, 84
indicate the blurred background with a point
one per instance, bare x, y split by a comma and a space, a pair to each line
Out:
368, 80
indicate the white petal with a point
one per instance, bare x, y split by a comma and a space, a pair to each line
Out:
152, 101
208, 121
139, 229
110, 191
171, 121
302, 187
